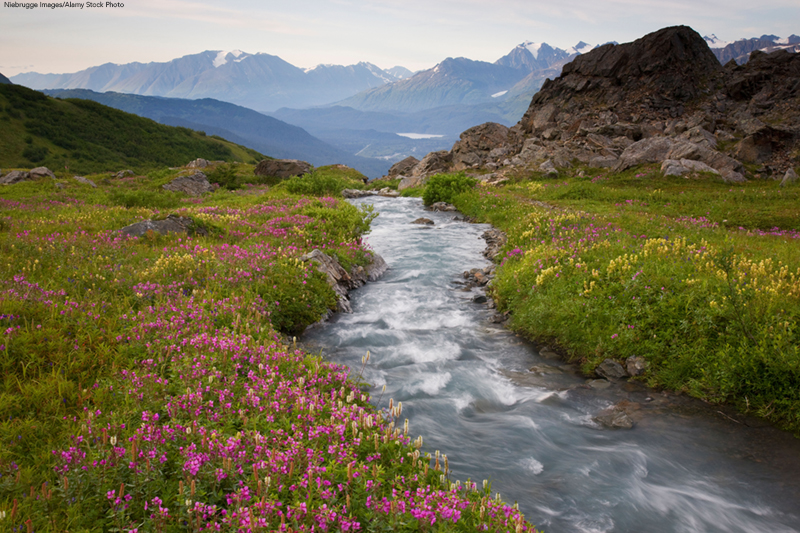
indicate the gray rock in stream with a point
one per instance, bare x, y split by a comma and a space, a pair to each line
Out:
614, 418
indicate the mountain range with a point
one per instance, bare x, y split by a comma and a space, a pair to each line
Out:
259, 81
740, 50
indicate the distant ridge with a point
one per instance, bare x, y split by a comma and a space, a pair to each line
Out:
266, 134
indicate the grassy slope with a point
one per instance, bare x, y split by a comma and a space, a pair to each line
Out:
699, 277
89, 137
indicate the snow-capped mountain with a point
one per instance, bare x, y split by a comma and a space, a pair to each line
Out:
533, 56
259, 81
740, 50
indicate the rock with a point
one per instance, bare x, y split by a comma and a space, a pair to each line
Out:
479, 299
495, 240
433, 163
599, 384
357, 193
549, 168
124, 173
377, 268
198, 163
195, 185
614, 418
388, 193
403, 168
85, 181
652, 150
789, 178
545, 369
603, 161
15, 176
282, 168
408, 182
636, 365
476, 143
441, 206
544, 117
41, 172
611, 370
498, 318
700, 136
674, 167
340, 280
171, 224
751, 149
424, 221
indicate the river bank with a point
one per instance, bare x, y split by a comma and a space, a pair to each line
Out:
466, 384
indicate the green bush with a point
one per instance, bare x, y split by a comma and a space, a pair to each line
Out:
321, 182
443, 187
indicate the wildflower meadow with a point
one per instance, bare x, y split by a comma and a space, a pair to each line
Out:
152, 383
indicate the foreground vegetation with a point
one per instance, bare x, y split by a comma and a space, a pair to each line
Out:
700, 278
146, 385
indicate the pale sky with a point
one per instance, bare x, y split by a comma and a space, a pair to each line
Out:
416, 34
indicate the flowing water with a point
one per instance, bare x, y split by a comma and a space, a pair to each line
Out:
466, 387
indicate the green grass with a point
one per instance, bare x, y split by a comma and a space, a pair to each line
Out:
699, 277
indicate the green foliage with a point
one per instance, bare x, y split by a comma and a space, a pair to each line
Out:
444, 187
146, 198
324, 181
89, 137
614, 266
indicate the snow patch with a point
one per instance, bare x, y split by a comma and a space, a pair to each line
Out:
785, 40
533, 48
497, 95
221, 58
715, 42
580, 48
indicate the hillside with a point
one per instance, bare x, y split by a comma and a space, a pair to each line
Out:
260, 132
4, 80
90, 137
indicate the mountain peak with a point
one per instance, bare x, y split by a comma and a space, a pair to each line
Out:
715, 42
225, 56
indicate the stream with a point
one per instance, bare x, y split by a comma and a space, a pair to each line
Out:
467, 389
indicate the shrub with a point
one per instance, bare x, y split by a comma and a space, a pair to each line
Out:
321, 182
443, 187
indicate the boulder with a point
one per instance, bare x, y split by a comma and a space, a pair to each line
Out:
41, 172
195, 185
15, 176
408, 182
340, 280
549, 168
700, 136
441, 206
124, 173
614, 418
476, 143
198, 163
611, 370
636, 365
403, 168
789, 178
85, 181
357, 193
171, 224
282, 168
388, 193
433, 163
424, 221
651, 150
679, 167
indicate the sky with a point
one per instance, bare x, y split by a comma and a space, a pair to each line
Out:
416, 34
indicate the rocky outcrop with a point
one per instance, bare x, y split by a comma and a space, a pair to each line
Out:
402, 168
123, 174
282, 168
15, 176
342, 281
433, 163
171, 224
662, 99
195, 185
790, 178
475, 144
